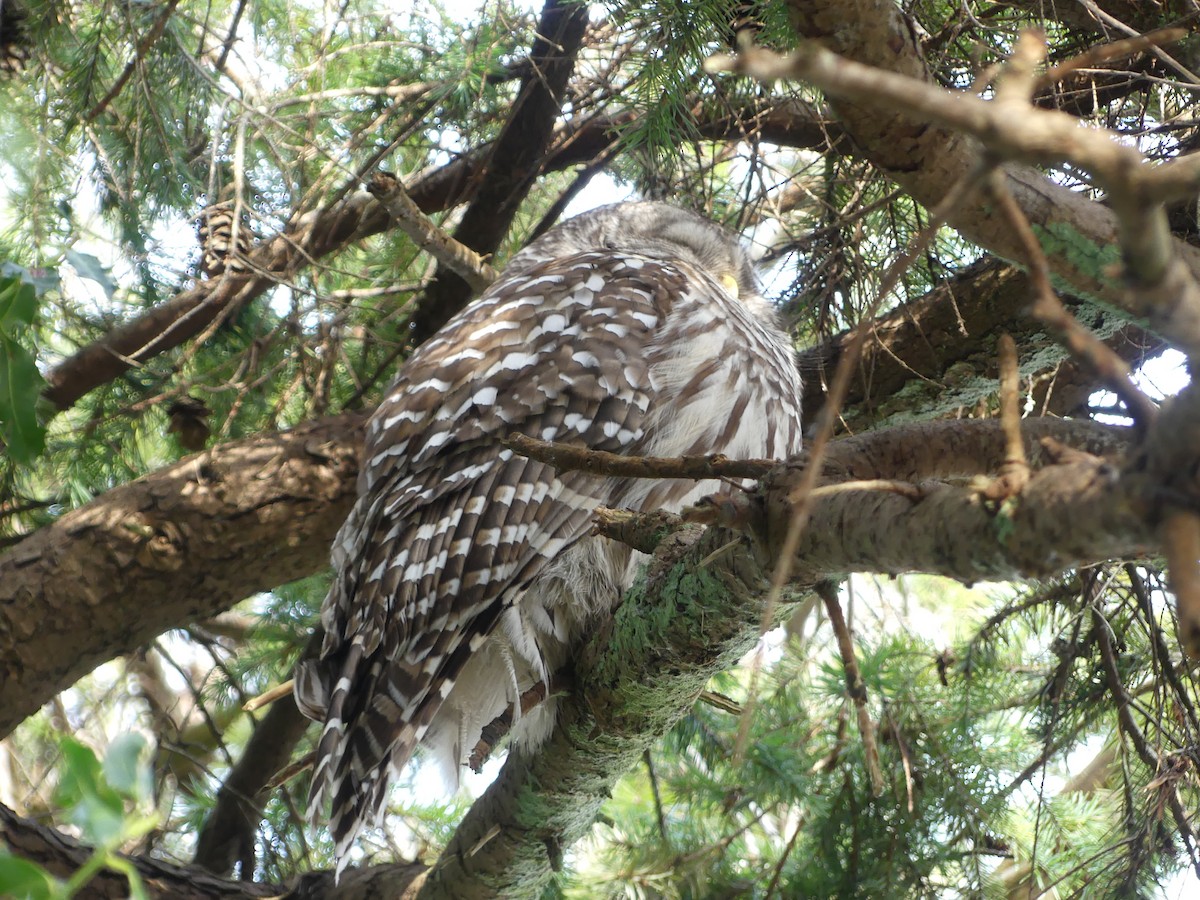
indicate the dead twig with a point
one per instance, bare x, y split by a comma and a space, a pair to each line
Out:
1104, 53
458, 257
1181, 541
268, 697
1047, 308
500, 726
1014, 472
854, 683
641, 531
566, 458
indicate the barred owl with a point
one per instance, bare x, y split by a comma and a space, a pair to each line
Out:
465, 573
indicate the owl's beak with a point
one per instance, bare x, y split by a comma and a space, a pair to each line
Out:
730, 284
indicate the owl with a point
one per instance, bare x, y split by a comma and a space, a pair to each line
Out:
465, 574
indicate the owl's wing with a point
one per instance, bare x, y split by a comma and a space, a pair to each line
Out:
449, 525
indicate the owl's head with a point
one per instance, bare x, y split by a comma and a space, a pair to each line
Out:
653, 229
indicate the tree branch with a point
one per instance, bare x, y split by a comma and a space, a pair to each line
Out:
319, 234
460, 259
923, 158
936, 354
183, 543
62, 856
516, 158
191, 540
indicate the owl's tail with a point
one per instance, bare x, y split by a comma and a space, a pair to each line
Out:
375, 712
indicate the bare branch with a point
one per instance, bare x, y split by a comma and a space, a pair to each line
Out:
1082, 344
63, 856
566, 458
515, 160
855, 688
180, 544
460, 259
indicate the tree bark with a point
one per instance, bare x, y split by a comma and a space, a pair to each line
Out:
180, 544
937, 355
62, 856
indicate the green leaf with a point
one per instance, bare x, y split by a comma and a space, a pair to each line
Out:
95, 807
125, 766
20, 387
101, 818
81, 773
23, 879
137, 887
90, 268
18, 304
41, 279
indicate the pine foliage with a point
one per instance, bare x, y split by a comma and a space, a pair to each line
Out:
1039, 737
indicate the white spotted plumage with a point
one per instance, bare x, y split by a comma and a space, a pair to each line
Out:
464, 572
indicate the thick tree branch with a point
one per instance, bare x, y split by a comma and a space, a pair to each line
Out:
62, 856
937, 354
515, 161
180, 544
183, 543
192, 539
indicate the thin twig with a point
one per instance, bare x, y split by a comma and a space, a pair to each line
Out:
1047, 308
717, 700
268, 697
496, 729
290, 771
1103, 53
783, 858
658, 804
854, 683
641, 531
1181, 542
566, 458
139, 53
1014, 471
